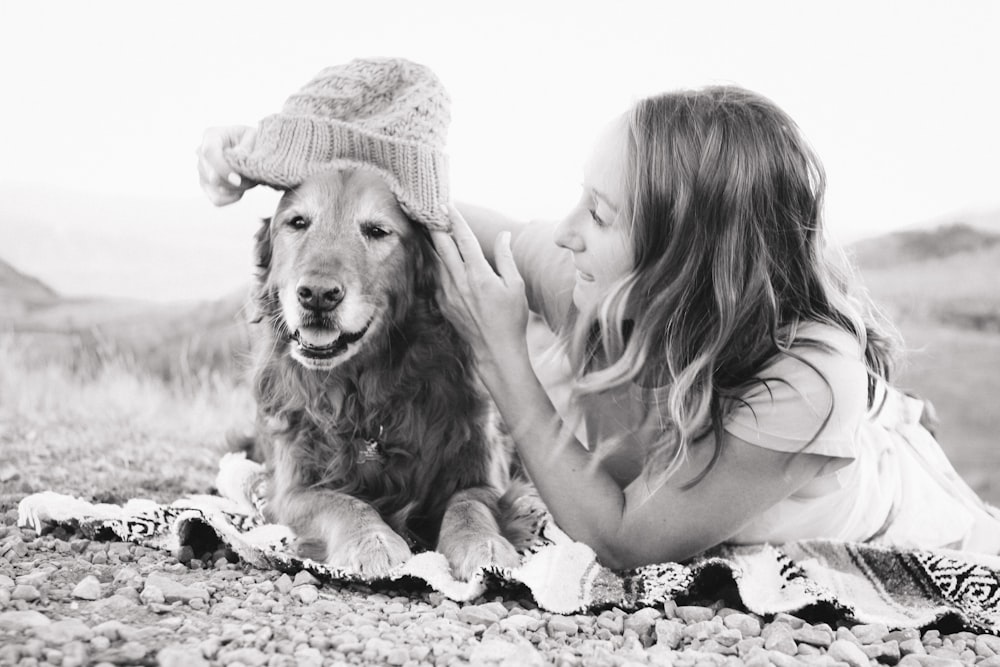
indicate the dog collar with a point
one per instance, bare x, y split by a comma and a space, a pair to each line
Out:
372, 451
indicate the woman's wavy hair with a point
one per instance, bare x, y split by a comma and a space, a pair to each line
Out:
723, 206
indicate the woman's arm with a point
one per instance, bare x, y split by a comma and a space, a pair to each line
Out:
631, 529
490, 310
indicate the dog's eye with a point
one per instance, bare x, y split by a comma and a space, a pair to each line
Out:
298, 223
373, 230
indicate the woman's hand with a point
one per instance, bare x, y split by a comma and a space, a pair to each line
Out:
218, 180
488, 308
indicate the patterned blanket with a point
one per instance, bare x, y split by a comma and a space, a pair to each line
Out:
868, 584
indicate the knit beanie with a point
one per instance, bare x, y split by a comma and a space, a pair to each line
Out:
386, 114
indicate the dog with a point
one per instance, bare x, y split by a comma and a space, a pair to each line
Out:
378, 434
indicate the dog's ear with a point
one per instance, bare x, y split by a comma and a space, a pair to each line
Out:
262, 261
425, 264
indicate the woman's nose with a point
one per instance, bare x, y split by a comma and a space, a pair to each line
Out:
567, 235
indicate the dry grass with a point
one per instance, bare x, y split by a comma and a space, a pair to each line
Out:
81, 420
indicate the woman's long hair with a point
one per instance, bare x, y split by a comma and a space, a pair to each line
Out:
723, 202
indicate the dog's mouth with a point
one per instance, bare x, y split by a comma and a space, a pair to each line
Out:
313, 348
330, 350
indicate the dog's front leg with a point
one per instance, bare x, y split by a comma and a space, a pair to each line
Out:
470, 537
342, 531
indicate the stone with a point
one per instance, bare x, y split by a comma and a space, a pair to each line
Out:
180, 656
152, 595
668, 632
870, 633
306, 594
747, 625
987, 646
911, 647
89, 588
885, 652
566, 625
283, 584
245, 656
779, 637
693, 614
480, 614
174, 591
25, 592
304, 578
505, 653
66, 630
849, 652
642, 620
19, 621
813, 636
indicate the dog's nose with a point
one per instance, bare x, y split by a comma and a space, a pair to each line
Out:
320, 298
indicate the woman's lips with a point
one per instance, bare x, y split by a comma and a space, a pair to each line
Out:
585, 277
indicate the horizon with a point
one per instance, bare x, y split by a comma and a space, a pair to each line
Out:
895, 100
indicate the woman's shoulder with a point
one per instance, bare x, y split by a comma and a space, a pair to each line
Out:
814, 393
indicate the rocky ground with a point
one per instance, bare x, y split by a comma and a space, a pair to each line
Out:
69, 601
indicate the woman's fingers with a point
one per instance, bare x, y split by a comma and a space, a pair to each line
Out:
465, 239
221, 184
446, 249
503, 256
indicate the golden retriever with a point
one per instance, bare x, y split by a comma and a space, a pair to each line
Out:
379, 436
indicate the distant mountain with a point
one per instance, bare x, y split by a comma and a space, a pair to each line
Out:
169, 339
920, 245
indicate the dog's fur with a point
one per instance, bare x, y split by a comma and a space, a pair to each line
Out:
353, 348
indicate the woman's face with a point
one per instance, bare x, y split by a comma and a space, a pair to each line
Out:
595, 231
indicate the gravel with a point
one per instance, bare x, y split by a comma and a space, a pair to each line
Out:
67, 601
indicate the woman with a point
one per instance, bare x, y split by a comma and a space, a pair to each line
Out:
687, 365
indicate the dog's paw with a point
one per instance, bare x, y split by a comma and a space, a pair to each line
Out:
373, 554
468, 556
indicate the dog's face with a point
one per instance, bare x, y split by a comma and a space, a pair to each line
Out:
341, 263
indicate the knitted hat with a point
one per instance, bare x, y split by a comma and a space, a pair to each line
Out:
388, 114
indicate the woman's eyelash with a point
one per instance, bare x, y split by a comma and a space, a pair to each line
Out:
597, 218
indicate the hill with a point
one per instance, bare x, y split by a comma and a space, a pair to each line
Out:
923, 245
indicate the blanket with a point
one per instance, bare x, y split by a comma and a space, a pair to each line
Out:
860, 582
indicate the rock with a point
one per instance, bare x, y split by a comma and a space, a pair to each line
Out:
989, 662
306, 594
89, 588
642, 621
813, 636
778, 637
283, 584
174, 591
113, 605
6, 582
692, 614
152, 595
562, 625
246, 656
36, 578
848, 652
668, 632
911, 647
520, 623
305, 578
180, 656
987, 646
500, 652
481, 614
782, 659
66, 630
25, 592
19, 621
870, 633
611, 623
746, 624
884, 652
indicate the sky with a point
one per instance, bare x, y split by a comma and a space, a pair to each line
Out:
104, 104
